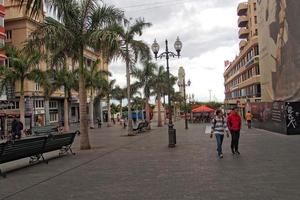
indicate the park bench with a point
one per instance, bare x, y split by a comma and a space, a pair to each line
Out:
44, 130
141, 127
35, 147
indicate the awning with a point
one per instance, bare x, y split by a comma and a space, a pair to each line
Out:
203, 109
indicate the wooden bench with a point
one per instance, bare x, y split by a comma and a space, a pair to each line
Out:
44, 130
141, 127
35, 147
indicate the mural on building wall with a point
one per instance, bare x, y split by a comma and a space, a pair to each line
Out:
280, 48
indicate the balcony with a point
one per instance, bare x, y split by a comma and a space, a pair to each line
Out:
243, 33
243, 21
242, 9
242, 45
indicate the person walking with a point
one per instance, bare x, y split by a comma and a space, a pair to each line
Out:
249, 117
234, 124
219, 127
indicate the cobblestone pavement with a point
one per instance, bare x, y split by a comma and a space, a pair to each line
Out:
143, 167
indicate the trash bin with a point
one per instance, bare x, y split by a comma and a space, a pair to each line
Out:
172, 137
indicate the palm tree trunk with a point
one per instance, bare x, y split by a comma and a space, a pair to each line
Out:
130, 126
66, 115
108, 113
22, 109
165, 109
159, 123
22, 104
121, 111
84, 131
91, 110
148, 113
47, 111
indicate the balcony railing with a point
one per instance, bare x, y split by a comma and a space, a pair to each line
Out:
242, 9
243, 33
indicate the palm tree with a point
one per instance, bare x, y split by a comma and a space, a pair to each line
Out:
80, 20
66, 79
119, 94
146, 81
44, 79
108, 88
130, 50
94, 80
20, 69
159, 85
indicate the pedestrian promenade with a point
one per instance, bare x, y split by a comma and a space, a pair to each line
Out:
143, 167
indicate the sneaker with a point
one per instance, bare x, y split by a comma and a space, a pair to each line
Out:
221, 156
232, 151
237, 152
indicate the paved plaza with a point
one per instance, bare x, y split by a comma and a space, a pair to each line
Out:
143, 167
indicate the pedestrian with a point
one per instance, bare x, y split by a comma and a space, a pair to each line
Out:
99, 122
16, 128
249, 117
219, 127
234, 124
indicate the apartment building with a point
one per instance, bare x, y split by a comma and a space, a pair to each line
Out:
19, 26
242, 76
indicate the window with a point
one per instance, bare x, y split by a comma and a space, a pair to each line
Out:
255, 19
254, 6
39, 104
53, 117
2, 42
1, 21
53, 104
257, 71
37, 87
8, 34
73, 111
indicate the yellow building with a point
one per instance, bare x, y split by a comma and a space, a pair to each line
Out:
242, 76
19, 26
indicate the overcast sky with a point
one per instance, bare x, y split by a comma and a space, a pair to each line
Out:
207, 29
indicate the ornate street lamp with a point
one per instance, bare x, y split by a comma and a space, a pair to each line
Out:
167, 54
184, 85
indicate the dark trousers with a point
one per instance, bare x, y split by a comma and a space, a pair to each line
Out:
235, 136
219, 138
249, 123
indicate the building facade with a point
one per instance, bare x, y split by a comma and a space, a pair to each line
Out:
242, 76
19, 26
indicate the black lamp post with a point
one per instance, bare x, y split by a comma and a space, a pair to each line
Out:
167, 54
184, 85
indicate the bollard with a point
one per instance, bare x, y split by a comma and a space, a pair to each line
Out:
172, 137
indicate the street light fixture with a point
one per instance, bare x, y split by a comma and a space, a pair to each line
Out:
167, 54
184, 85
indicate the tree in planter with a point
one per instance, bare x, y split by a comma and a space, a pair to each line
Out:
80, 19
146, 81
21, 65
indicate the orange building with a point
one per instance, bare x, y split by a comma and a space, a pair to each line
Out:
2, 32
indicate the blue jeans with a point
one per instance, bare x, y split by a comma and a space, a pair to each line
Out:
219, 138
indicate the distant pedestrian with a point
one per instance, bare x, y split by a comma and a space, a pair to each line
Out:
249, 117
219, 127
99, 122
234, 124
16, 128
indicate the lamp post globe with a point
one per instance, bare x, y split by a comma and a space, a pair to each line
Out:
178, 46
155, 48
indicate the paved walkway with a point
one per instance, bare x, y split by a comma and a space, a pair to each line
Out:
143, 167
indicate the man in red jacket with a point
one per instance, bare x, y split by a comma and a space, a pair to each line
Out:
234, 123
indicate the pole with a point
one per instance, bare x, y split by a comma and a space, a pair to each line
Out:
171, 131
185, 107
